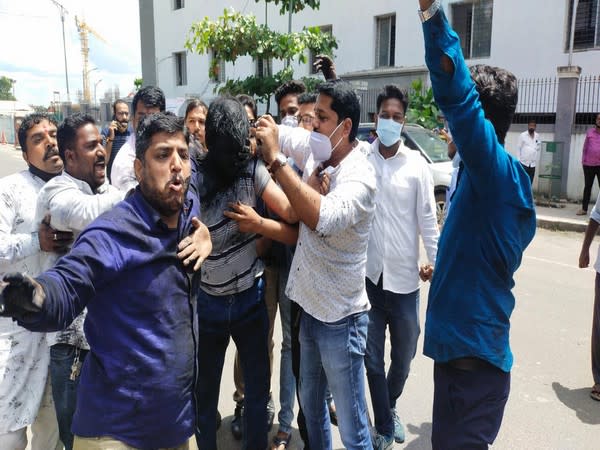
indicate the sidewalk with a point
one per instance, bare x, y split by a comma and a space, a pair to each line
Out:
562, 217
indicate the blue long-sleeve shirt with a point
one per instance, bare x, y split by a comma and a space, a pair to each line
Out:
137, 381
491, 222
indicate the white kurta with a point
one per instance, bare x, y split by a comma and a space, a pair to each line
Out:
24, 355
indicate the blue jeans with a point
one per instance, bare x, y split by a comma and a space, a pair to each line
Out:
334, 352
243, 317
64, 390
399, 312
287, 381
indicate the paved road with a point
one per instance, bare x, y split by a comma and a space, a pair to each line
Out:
549, 407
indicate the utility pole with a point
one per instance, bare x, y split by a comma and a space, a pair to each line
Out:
288, 61
63, 13
572, 36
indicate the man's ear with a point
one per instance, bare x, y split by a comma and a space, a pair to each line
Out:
347, 126
137, 168
24, 155
69, 156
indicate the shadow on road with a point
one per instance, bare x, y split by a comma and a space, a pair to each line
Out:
587, 410
423, 441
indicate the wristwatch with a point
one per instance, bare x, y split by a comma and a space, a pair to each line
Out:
279, 161
430, 12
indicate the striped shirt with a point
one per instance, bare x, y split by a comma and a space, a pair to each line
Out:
233, 265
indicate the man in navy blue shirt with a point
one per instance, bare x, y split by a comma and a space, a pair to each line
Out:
491, 222
136, 386
117, 132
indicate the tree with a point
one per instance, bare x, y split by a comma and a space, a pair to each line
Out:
6, 86
138, 82
422, 109
233, 35
298, 5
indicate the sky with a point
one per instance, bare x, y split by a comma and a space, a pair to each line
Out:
32, 47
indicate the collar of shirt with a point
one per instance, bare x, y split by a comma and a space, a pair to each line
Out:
402, 149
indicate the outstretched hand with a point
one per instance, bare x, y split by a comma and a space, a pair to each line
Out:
324, 64
20, 295
196, 247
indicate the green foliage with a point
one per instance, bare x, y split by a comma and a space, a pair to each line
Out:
298, 5
422, 108
6, 85
234, 35
138, 82
39, 108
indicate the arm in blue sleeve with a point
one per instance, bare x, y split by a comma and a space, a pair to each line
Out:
457, 97
69, 286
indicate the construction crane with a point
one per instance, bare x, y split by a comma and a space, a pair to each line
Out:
84, 29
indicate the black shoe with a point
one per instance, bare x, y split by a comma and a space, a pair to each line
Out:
218, 420
237, 424
270, 413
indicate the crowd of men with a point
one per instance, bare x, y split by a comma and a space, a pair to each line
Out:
151, 244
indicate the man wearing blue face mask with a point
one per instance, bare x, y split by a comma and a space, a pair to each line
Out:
405, 209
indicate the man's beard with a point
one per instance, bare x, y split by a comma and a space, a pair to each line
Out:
166, 202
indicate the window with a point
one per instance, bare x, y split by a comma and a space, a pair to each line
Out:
473, 23
264, 67
178, 4
180, 60
217, 72
586, 25
312, 55
385, 47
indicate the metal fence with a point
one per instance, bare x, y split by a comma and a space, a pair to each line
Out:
588, 100
537, 100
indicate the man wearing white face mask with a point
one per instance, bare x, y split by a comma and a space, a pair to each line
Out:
286, 97
327, 274
405, 209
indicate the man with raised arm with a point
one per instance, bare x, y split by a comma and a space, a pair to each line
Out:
491, 222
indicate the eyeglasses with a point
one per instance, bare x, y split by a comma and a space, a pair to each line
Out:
307, 119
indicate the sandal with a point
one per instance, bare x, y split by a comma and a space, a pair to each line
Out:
595, 393
281, 443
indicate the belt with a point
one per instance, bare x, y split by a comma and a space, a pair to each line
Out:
469, 364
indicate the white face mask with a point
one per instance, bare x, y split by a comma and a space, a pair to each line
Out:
388, 131
290, 121
320, 145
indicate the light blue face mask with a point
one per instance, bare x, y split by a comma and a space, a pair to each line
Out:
388, 131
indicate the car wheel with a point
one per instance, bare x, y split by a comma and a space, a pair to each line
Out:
440, 207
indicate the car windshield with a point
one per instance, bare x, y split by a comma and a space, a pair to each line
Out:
430, 143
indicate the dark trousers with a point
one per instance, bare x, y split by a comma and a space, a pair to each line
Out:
64, 390
530, 171
596, 333
296, 313
589, 173
468, 405
243, 317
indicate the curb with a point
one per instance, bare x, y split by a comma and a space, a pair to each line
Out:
551, 223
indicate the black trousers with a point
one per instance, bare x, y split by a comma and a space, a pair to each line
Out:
468, 405
589, 173
530, 171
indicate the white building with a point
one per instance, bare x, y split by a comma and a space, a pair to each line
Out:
380, 42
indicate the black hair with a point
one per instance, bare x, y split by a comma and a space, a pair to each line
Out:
29, 121
392, 91
499, 94
246, 100
67, 131
114, 106
307, 97
162, 122
193, 104
344, 102
151, 96
289, 87
228, 142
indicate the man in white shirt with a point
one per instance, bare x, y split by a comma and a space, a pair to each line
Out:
148, 100
529, 149
327, 274
25, 394
73, 200
405, 209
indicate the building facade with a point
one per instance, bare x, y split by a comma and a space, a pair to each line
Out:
380, 42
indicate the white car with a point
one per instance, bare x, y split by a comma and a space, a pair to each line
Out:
433, 149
